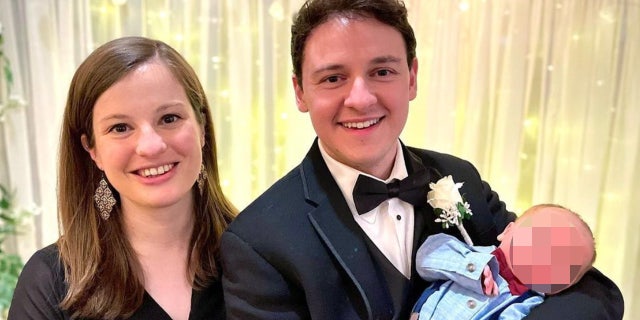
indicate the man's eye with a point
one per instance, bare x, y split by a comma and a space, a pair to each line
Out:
332, 79
383, 72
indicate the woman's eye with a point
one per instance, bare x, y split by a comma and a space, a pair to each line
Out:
119, 128
170, 118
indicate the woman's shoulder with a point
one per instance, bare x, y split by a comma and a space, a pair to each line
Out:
40, 287
44, 270
45, 261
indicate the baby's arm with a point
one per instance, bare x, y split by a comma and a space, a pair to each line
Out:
444, 257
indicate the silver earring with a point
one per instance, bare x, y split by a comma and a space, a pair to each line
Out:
202, 176
104, 199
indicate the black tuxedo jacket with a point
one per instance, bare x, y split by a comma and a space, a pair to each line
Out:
297, 253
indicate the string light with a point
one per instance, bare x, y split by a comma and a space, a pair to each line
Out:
464, 6
276, 11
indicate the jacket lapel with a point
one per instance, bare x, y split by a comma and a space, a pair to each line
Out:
424, 224
335, 225
423, 221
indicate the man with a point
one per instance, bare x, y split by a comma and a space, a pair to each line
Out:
311, 246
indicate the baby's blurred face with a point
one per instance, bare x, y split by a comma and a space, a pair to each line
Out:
548, 250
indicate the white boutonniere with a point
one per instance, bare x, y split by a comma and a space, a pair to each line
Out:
449, 205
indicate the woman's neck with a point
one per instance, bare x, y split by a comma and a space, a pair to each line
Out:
158, 229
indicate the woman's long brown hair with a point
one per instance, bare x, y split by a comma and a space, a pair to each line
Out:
102, 271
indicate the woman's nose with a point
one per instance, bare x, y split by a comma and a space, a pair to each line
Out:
150, 142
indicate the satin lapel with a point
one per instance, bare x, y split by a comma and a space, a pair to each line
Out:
424, 224
343, 237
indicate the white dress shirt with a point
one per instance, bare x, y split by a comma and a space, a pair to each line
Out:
390, 224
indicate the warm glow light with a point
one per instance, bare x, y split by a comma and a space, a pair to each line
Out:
611, 196
607, 15
464, 6
118, 2
276, 11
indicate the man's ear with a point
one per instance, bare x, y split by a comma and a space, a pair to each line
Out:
92, 152
506, 230
413, 79
302, 106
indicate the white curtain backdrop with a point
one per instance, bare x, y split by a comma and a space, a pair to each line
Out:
542, 96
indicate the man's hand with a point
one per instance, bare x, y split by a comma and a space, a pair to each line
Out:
488, 284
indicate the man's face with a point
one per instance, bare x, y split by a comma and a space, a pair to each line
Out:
548, 251
356, 86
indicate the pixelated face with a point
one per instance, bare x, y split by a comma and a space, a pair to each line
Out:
548, 252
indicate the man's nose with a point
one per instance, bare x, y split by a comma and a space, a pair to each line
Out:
360, 95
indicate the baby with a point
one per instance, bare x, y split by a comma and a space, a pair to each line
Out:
546, 250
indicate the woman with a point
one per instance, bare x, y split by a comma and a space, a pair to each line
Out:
140, 204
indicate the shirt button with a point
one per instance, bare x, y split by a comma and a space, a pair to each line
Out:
471, 304
398, 217
471, 267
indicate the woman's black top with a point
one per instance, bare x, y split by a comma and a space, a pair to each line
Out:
41, 288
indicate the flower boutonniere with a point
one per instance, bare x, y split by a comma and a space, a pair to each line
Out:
449, 205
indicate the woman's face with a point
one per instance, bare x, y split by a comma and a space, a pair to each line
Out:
148, 141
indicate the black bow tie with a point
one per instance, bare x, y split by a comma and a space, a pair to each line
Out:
368, 193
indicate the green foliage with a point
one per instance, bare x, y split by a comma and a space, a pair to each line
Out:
4, 61
464, 212
10, 217
10, 264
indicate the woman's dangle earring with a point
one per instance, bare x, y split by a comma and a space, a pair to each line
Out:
104, 199
202, 176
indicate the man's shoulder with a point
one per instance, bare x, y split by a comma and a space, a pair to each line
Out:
444, 162
278, 202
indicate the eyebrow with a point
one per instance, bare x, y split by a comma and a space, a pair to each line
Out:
325, 68
169, 105
374, 61
161, 108
385, 59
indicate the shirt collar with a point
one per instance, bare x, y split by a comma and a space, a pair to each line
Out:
515, 285
346, 176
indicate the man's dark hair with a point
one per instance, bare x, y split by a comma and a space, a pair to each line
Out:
315, 12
